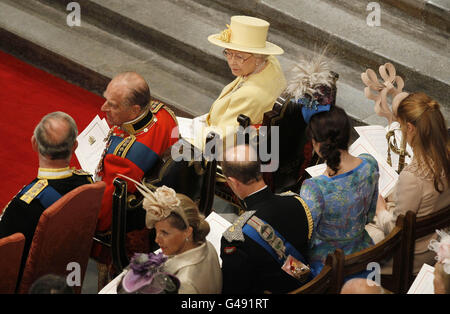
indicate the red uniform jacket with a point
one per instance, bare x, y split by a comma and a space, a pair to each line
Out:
133, 150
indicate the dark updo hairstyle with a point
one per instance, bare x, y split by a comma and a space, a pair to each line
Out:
332, 130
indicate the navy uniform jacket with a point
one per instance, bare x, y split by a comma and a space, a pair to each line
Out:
246, 266
23, 215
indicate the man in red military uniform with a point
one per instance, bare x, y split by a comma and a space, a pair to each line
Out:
141, 131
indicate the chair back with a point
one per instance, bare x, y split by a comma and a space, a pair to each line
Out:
394, 245
192, 175
295, 151
63, 237
119, 255
428, 224
423, 226
325, 282
11, 249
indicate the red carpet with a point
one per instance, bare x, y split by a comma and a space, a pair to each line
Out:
26, 95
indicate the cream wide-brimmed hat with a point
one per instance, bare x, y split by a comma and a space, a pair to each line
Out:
247, 34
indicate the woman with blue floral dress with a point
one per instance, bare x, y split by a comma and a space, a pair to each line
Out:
343, 199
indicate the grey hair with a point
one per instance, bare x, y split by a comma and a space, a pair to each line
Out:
260, 56
47, 145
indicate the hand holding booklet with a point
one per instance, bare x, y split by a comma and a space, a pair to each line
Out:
91, 144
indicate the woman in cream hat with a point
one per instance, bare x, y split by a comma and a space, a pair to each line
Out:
259, 77
181, 232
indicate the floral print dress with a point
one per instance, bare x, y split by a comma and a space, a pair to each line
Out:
341, 206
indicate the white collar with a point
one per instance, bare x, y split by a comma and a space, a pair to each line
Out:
53, 173
256, 191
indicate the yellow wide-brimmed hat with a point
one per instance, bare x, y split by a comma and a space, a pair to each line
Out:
247, 34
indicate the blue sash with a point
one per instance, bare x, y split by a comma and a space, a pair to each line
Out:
47, 196
290, 249
139, 154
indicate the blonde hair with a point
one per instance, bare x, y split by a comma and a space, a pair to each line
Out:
430, 143
196, 220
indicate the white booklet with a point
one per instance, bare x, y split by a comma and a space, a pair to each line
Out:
217, 225
192, 129
91, 144
388, 176
423, 284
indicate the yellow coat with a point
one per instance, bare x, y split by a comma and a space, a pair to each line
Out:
251, 96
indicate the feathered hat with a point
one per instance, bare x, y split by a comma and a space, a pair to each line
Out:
313, 85
159, 204
146, 275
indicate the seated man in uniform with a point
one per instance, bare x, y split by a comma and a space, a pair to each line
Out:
140, 132
54, 140
273, 227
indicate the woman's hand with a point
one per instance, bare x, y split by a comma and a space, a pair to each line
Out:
381, 204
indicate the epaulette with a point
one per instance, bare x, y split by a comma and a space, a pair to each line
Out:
305, 207
288, 193
155, 106
34, 191
81, 172
234, 232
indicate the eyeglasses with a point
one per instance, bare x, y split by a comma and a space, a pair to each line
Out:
239, 59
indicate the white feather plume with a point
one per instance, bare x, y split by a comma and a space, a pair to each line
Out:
308, 74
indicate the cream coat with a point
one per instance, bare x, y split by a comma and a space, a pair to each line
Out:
415, 192
197, 269
251, 96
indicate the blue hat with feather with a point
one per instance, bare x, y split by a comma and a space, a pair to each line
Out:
313, 86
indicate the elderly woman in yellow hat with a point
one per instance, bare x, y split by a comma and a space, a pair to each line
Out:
259, 77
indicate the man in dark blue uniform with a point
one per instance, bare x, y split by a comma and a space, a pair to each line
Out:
272, 233
54, 140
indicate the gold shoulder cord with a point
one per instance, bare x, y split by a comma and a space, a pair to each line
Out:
308, 215
124, 146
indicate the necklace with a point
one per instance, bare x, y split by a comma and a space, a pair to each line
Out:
258, 69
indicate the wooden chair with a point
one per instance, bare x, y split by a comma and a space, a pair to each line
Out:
195, 179
422, 226
325, 282
394, 245
295, 151
11, 249
64, 235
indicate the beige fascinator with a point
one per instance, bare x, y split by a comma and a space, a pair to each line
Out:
392, 85
158, 204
